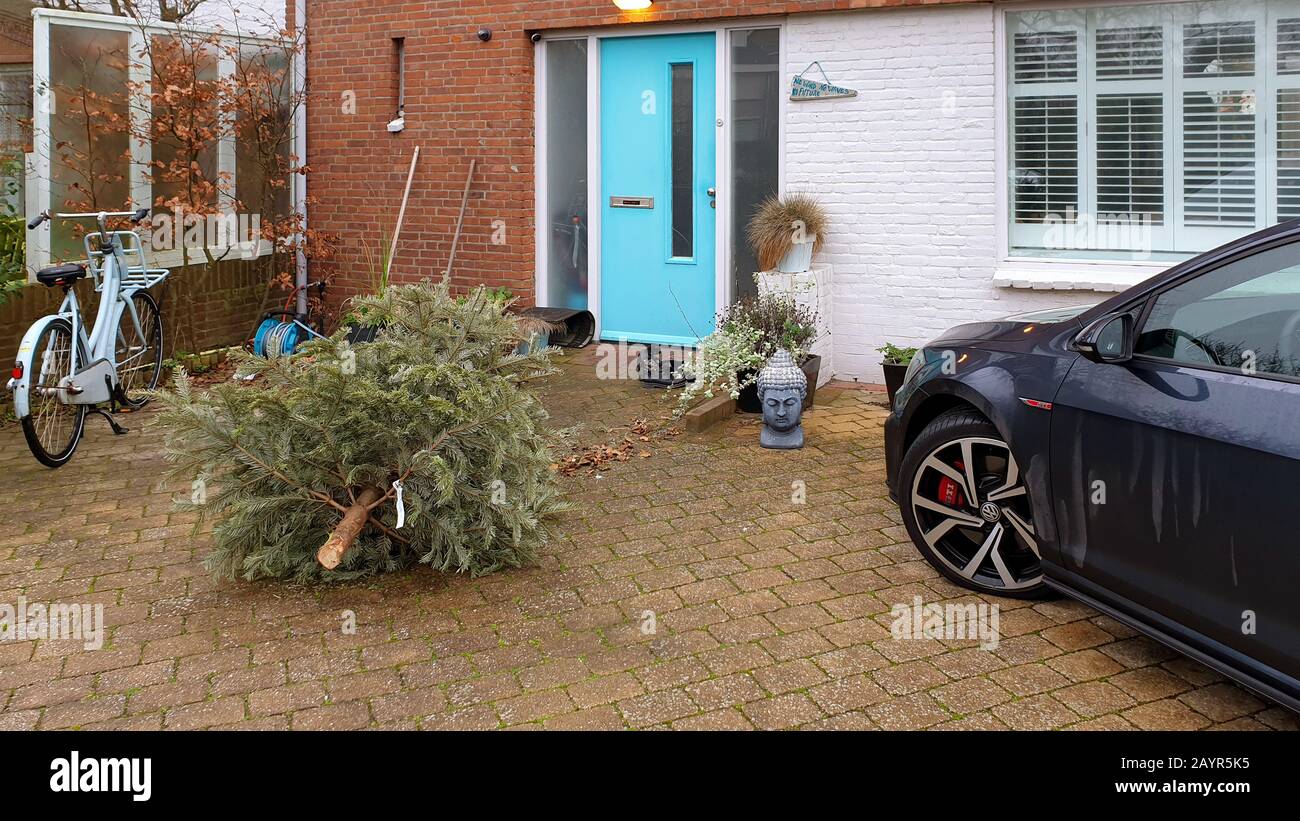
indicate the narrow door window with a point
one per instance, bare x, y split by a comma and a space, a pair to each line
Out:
683, 160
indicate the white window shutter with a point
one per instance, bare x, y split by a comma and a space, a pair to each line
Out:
1288, 153
1135, 52
1131, 155
1046, 157
1046, 57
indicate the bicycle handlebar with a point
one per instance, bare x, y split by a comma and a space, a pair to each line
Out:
137, 216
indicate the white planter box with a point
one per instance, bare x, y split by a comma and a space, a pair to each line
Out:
813, 289
798, 259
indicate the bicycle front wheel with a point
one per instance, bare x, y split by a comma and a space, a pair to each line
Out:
139, 351
51, 427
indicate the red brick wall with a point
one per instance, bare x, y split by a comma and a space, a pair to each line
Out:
464, 99
220, 312
15, 37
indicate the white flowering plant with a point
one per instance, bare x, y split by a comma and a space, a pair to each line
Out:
748, 333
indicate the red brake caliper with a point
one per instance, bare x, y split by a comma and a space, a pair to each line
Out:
950, 492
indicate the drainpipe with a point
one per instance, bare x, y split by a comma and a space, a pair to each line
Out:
300, 146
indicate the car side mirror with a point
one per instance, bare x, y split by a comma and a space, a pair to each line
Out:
1107, 340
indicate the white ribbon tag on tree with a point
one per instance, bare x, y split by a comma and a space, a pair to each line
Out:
401, 508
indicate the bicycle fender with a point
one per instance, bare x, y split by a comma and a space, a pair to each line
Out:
26, 353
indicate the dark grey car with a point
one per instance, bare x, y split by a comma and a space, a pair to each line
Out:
1142, 455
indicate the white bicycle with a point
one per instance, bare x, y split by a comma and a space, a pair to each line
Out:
61, 373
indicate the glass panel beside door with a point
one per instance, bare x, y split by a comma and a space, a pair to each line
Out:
565, 220
755, 105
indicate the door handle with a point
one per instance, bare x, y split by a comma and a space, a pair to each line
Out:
712, 192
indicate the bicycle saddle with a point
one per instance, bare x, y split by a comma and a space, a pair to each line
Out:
65, 274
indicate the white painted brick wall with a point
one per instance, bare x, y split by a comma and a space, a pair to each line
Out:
907, 171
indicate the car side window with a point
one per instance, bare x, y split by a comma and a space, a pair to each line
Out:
1244, 315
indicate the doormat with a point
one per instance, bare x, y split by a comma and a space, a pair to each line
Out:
663, 366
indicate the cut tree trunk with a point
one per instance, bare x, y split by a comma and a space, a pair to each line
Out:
331, 553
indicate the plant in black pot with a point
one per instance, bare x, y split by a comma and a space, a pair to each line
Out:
895, 364
748, 333
781, 323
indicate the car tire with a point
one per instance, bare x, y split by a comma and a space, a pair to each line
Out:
986, 543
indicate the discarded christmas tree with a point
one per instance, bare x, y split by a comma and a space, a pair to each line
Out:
303, 467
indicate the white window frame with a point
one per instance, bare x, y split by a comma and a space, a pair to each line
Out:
723, 167
140, 70
1091, 273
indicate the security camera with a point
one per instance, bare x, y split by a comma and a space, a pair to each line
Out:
536, 37
485, 34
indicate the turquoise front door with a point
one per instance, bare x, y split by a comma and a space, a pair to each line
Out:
657, 165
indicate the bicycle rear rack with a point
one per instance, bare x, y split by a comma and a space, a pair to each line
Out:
136, 276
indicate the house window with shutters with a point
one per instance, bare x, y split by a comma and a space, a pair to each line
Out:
1151, 131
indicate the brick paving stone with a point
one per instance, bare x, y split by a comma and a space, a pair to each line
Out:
970, 695
674, 673
364, 685
49, 693
478, 717
972, 661
1093, 698
351, 715
767, 614
286, 699
788, 676
1029, 679
1107, 722
205, 714
1040, 712
605, 690
796, 645
856, 721
782, 712
1166, 714
1279, 718
603, 717
19, 720
1241, 724
656, 708
410, 704
843, 695
1149, 684
909, 677
1191, 671
534, 707
913, 712
488, 688
555, 673
1222, 702
1138, 652
978, 721
1085, 665
729, 691
716, 720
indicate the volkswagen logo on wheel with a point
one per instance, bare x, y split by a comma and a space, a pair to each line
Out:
990, 512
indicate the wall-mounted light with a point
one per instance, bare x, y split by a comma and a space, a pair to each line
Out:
633, 5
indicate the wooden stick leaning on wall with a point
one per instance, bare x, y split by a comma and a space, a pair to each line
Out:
401, 214
460, 220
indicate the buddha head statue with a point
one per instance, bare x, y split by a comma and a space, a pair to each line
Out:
782, 388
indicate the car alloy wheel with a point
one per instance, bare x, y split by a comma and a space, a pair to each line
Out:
971, 508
